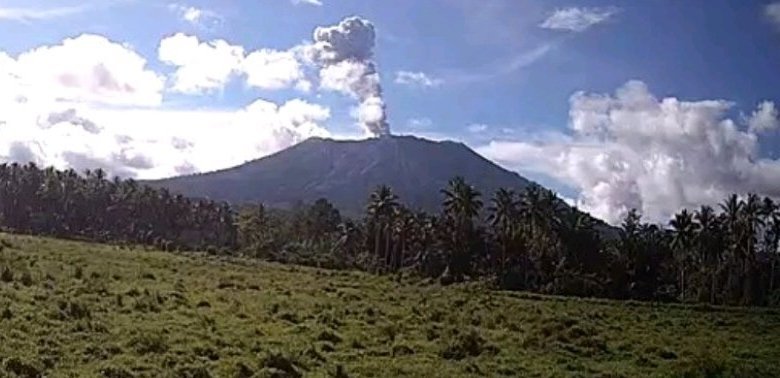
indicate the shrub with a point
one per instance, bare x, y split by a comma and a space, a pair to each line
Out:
402, 350
193, 372
115, 372
340, 372
6, 275
149, 343
463, 345
242, 370
280, 365
27, 279
6, 314
328, 335
22, 369
73, 310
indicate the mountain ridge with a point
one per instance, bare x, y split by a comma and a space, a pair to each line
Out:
346, 171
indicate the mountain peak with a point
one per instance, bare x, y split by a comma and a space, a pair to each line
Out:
346, 171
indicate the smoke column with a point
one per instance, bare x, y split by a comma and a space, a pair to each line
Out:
344, 53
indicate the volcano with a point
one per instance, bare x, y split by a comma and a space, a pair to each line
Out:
346, 172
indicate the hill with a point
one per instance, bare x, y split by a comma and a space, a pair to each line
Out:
89, 310
345, 172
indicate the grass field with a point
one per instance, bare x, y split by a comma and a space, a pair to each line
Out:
80, 310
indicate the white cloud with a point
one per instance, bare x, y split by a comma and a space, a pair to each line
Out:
577, 19
201, 66
772, 11
765, 118
416, 79
63, 115
153, 143
208, 66
632, 150
37, 14
271, 69
198, 17
308, 2
87, 68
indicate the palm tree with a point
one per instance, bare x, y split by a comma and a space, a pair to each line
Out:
382, 205
771, 213
684, 230
752, 222
461, 205
503, 218
709, 241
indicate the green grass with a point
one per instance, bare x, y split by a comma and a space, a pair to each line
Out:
70, 309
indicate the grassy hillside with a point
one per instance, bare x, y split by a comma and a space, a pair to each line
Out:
80, 310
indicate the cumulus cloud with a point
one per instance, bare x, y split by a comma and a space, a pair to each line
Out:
633, 150
132, 143
64, 115
208, 66
765, 118
419, 79
772, 11
576, 19
344, 53
200, 66
271, 69
87, 68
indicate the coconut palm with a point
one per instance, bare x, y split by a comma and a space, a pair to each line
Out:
461, 205
503, 220
382, 205
710, 245
684, 230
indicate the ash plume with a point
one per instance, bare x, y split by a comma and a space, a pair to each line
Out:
344, 54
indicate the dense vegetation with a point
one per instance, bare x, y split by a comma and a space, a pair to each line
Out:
528, 241
73, 309
66, 204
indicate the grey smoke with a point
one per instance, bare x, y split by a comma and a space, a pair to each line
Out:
345, 53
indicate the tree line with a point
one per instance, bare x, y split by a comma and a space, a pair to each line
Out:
527, 240
90, 206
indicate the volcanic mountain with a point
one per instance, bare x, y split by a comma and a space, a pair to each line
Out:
345, 172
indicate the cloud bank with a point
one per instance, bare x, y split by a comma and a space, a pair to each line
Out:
101, 106
633, 150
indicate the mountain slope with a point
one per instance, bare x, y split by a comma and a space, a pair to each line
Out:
345, 172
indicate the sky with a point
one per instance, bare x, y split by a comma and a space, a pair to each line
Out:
653, 105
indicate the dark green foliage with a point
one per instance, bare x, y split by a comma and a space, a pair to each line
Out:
526, 240
462, 345
22, 369
66, 204
277, 364
149, 342
6, 274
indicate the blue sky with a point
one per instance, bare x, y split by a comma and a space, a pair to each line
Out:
500, 75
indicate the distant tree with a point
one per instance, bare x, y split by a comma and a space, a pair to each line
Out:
461, 205
382, 205
503, 218
684, 230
